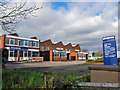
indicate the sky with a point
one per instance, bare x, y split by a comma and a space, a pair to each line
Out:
84, 23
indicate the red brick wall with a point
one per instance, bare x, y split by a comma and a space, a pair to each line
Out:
59, 58
52, 46
2, 41
73, 54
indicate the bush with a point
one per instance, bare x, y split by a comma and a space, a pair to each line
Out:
31, 79
90, 60
97, 60
4, 56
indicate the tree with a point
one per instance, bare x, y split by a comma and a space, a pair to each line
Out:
84, 50
93, 53
12, 12
99, 53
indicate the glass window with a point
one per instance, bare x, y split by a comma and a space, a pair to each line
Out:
26, 43
83, 55
11, 53
16, 41
22, 42
35, 54
21, 53
30, 43
56, 54
62, 54
11, 41
47, 48
41, 48
29, 53
79, 55
6, 40
34, 44
15, 53
25, 54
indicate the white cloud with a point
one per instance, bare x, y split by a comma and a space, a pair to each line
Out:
78, 24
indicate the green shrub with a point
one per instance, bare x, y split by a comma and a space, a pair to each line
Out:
97, 60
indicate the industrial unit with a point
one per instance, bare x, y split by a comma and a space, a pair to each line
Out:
24, 49
60, 52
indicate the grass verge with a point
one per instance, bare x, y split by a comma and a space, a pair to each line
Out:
32, 79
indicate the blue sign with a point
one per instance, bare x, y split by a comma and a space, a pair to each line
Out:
18, 48
110, 51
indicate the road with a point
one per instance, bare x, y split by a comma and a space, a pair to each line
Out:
71, 67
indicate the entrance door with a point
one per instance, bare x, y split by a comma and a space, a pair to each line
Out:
13, 55
68, 56
86, 56
72, 57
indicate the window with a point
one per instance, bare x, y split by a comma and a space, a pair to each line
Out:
83, 55
47, 48
62, 54
26, 43
6, 40
16, 41
79, 55
11, 41
35, 54
22, 42
25, 53
34, 44
13, 53
21, 53
41, 48
30, 43
29, 53
55, 54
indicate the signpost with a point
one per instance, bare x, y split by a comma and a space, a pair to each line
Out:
110, 51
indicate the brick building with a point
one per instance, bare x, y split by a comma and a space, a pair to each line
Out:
22, 49
60, 52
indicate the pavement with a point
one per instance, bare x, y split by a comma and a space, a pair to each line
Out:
68, 67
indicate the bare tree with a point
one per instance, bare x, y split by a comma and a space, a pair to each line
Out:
10, 15
99, 53
85, 50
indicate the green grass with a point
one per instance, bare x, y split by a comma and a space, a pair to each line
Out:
94, 61
32, 79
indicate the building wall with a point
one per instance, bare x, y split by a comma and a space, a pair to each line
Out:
2, 41
52, 46
18, 58
68, 47
59, 58
73, 54
45, 44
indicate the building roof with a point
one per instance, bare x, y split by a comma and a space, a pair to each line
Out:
61, 45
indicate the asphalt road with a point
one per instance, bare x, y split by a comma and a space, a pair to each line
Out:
73, 67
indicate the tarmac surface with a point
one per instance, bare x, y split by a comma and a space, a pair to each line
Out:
66, 67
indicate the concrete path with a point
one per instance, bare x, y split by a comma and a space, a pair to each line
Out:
66, 67
42, 64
